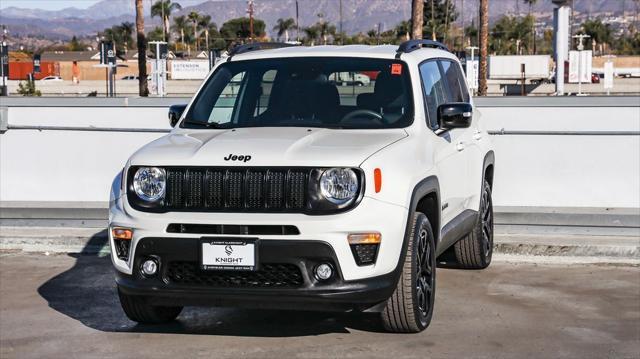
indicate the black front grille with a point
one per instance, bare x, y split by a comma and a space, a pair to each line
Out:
269, 276
273, 230
236, 189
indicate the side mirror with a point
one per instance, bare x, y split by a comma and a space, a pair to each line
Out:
175, 112
454, 115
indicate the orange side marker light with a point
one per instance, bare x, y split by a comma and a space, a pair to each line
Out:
377, 179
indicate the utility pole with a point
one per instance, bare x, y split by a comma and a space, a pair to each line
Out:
484, 45
297, 24
250, 12
417, 18
341, 37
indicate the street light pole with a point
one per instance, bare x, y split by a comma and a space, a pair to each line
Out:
580, 49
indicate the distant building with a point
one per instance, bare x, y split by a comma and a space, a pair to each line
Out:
88, 64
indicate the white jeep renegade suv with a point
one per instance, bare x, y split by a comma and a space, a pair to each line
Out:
280, 188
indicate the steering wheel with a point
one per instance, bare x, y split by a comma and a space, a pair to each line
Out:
362, 112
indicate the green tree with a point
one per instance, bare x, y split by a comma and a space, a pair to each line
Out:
121, 35
194, 17
438, 17
403, 29
598, 31
157, 34
164, 8
28, 88
325, 29
238, 29
283, 26
311, 34
209, 30
75, 45
181, 26
509, 35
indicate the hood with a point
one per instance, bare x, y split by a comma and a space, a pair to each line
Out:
266, 146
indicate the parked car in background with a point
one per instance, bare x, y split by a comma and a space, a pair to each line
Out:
51, 78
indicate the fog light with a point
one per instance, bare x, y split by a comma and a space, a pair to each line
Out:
324, 271
149, 267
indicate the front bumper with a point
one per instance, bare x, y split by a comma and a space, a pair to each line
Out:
284, 280
370, 215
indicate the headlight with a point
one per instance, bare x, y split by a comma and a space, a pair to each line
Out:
149, 183
339, 185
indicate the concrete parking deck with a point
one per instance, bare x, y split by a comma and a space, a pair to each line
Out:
66, 306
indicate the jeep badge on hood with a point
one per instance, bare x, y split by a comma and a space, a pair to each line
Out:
232, 157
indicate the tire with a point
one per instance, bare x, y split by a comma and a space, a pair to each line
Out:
474, 251
138, 310
410, 307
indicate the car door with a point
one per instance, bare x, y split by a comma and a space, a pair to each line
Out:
457, 91
448, 152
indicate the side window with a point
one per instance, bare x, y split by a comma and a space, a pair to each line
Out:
457, 88
434, 90
223, 108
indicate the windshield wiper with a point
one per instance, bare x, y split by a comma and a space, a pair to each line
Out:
203, 124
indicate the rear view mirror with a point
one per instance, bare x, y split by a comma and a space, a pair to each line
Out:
455, 115
175, 112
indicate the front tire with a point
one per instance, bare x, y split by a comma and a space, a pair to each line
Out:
139, 310
474, 251
410, 307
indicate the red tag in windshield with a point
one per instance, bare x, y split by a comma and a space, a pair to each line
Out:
396, 69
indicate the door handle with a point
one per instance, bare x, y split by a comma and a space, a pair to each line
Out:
460, 146
477, 136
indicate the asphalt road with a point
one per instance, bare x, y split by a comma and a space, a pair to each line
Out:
64, 306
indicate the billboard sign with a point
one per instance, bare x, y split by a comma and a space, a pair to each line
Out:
189, 70
608, 75
580, 66
107, 53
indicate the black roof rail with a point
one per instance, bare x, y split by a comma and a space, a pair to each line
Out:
413, 45
241, 49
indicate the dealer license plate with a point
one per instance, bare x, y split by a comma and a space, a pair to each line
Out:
229, 254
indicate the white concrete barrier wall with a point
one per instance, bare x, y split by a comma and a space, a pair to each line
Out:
550, 152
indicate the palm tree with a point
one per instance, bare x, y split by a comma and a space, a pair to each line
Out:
417, 18
204, 22
283, 26
164, 8
194, 17
324, 29
143, 88
484, 45
180, 23
311, 33
403, 29
126, 29
533, 32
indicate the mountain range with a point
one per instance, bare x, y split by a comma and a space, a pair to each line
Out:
358, 15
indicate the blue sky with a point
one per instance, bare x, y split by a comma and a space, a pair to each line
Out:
47, 4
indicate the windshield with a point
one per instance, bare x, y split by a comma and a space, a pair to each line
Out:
357, 93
